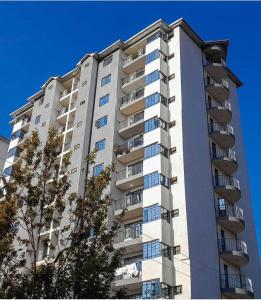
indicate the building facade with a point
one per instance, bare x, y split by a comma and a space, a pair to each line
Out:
162, 106
4, 142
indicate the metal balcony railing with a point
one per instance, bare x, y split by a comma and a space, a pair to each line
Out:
218, 153
133, 76
131, 144
224, 210
130, 171
233, 281
26, 121
215, 103
222, 81
129, 200
217, 127
132, 232
132, 120
226, 245
223, 180
133, 57
132, 97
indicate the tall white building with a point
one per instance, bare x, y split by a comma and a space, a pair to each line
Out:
162, 106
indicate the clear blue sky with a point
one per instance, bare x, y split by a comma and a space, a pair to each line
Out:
38, 40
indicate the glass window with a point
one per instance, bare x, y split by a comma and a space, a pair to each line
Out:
151, 180
105, 80
164, 180
98, 169
153, 76
165, 214
8, 171
37, 119
12, 152
151, 124
102, 122
155, 36
151, 150
152, 100
165, 251
152, 56
100, 145
151, 289
107, 61
151, 249
166, 291
176, 250
151, 213
104, 100
18, 134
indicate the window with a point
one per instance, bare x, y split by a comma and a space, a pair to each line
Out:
100, 145
177, 289
155, 75
98, 169
105, 80
18, 134
151, 213
8, 171
155, 149
176, 250
151, 289
151, 180
154, 123
41, 101
107, 61
154, 99
165, 251
14, 152
37, 120
104, 100
175, 213
155, 36
86, 65
102, 122
152, 56
164, 180
151, 249
50, 87
166, 291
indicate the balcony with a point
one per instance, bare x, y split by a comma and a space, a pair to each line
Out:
130, 177
222, 134
132, 126
132, 102
218, 89
230, 217
131, 203
134, 62
216, 67
134, 81
236, 286
227, 187
129, 238
224, 159
233, 251
130, 151
220, 111
129, 276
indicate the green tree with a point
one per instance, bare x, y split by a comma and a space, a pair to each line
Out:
83, 261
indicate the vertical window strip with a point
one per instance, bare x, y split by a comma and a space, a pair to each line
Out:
152, 100
151, 213
152, 56
151, 289
153, 76
151, 180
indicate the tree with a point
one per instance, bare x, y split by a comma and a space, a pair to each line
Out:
83, 261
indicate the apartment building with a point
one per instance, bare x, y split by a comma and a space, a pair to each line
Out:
162, 106
4, 142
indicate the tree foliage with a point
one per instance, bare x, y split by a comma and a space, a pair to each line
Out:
81, 261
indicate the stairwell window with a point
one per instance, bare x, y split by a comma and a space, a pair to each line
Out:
98, 169
102, 122
100, 145
105, 80
104, 100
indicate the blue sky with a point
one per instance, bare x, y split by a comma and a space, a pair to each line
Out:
43, 39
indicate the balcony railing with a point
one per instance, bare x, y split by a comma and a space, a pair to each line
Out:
132, 232
223, 180
132, 120
224, 210
132, 97
26, 121
129, 200
131, 144
62, 111
215, 60
215, 103
129, 271
234, 281
130, 171
222, 81
133, 76
218, 153
133, 57
216, 127
227, 245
